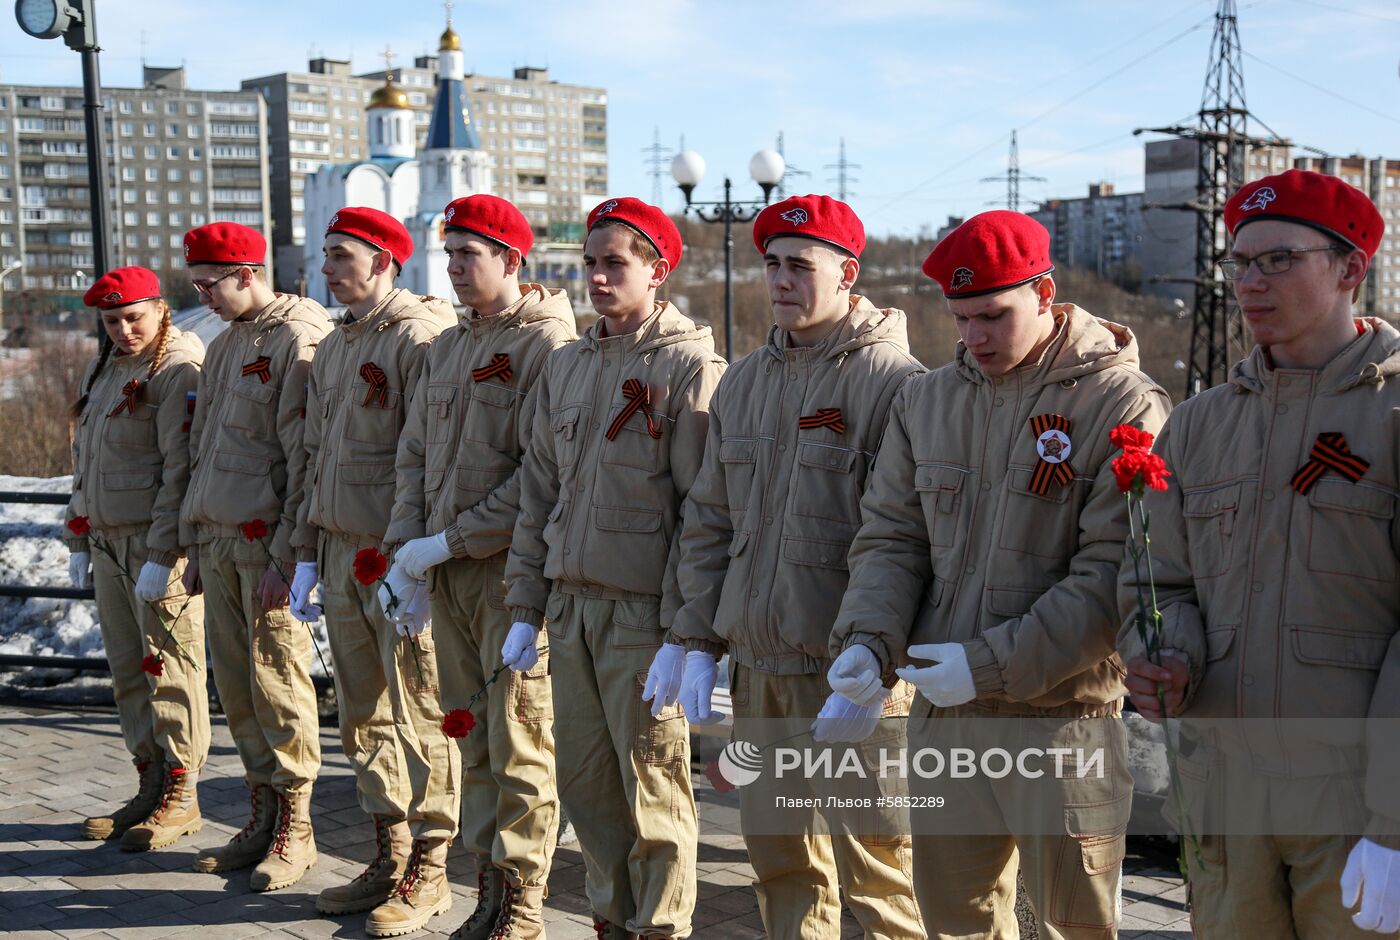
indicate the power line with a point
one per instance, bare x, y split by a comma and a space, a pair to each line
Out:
656, 156
842, 166
1326, 91
1013, 178
1365, 15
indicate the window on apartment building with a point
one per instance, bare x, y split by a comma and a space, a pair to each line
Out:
148, 107
152, 174
173, 197
129, 196
129, 174
151, 152
175, 218
148, 129
197, 219
173, 153
192, 109
152, 241
196, 176
127, 128
172, 130
124, 107
172, 175
197, 153
131, 218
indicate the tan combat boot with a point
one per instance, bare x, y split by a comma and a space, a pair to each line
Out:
136, 809
249, 844
293, 848
175, 815
421, 892
490, 887
372, 887
522, 914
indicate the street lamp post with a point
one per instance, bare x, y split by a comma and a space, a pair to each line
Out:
4, 273
75, 21
766, 168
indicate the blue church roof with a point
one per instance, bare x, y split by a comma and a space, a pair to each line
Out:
387, 164
451, 127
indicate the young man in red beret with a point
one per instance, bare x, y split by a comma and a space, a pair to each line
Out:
249, 464
616, 442
992, 532
1274, 551
794, 428
458, 496
362, 380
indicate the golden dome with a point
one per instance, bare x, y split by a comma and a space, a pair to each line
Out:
390, 96
449, 42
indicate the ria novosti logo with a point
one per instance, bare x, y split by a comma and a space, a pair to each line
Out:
738, 765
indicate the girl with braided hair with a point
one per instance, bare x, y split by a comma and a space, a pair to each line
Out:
131, 465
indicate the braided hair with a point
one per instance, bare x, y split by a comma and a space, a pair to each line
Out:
162, 339
104, 353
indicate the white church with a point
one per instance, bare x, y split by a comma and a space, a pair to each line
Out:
397, 179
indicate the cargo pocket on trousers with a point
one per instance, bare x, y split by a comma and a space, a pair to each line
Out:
663, 738
1196, 807
636, 625
531, 699
272, 644
418, 662
1087, 876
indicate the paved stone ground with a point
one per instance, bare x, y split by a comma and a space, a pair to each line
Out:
56, 766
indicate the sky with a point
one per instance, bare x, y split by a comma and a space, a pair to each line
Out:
924, 92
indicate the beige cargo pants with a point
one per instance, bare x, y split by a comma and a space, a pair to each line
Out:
966, 883
510, 805
165, 717
624, 776
390, 721
801, 875
262, 660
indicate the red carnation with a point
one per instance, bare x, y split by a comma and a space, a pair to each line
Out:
155, 664
458, 723
252, 531
716, 777
370, 565
79, 525
1137, 469
1126, 436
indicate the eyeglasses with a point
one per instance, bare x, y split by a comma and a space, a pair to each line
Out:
1273, 261
205, 290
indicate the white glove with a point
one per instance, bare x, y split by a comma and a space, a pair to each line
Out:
518, 651
697, 686
1372, 876
663, 686
393, 593
80, 569
151, 584
417, 613
303, 583
945, 684
843, 720
416, 556
856, 675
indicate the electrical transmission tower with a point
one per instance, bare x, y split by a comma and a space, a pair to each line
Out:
657, 157
1222, 142
789, 171
843, 179
1013, 178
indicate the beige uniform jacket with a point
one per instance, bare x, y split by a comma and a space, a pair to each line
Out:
956, 546
131, 447
248, 460
362, 382
616, 443
469, 425
769, 522
1287, 604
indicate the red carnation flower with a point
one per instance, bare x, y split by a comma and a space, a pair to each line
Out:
78, 525
1137, 469
716, 778
252, 531
370, 565
458, 723
1126, 436
155, 664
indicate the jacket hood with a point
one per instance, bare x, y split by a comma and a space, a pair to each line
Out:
1373, 356
865, 325
287, 308
667, 326
1085, 345
541, 303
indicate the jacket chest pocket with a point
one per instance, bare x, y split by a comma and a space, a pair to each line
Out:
738, 458
439, 411
1210, 517
373, 418
1350, 526
940, 491
1045, 525
250, 407
132, 427
633, 445
493, 415
828, 483
566, 427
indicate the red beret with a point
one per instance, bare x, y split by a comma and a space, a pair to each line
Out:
1317, 200
991, 251
820, 217
122, 287
225, 243
490, 217
377, 229
650, 222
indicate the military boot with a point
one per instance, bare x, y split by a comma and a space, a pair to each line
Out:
522, 914
490, 886
421, 892
136, 809
175, 815
293, 848
249, 844
372, 887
